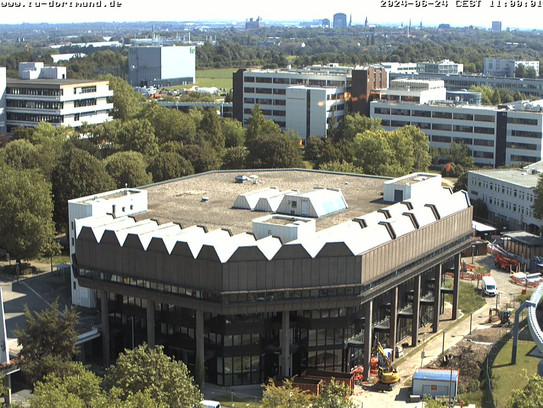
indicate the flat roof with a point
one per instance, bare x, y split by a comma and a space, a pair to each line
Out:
52, 82
525, 238
180, 200
520, 177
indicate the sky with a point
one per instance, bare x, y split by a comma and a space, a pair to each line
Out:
525, 14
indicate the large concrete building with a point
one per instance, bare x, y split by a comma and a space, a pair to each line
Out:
176, 264
444, 67
496, 136
43, 94
305, 100
161, 65
509, 195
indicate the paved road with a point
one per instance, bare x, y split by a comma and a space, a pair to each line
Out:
433, 347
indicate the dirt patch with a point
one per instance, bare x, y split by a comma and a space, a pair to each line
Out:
469, 356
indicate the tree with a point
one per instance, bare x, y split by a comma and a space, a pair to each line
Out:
78, 387
77, 174
274, 151
169, 165
210, 126
127, 103
538, 200
202, 158
530, 396
128, 168
257, 126
334, 395
172, 125
137, 135
461, 182
26, 224
285, 395
421, 147
150, 370
234, 134
374, 154
234, 158
351, 125
48, 342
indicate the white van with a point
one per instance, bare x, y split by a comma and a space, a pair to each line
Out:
210, 404
489, 287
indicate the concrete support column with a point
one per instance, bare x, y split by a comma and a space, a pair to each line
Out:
151, 323
368, 337
105, 326
416, 312
199, 335
393, 319
456, 284
437, 297
286, 360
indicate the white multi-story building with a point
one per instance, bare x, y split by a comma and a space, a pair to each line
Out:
496, 136
506, 67
413, 90
118, 203
305, 100
46, 96
440, 67
161, 65
2, 100
508, 194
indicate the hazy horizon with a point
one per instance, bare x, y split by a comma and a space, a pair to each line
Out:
526, 17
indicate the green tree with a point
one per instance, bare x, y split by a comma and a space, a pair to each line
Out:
429, 402
169, 165
77, 174
26, 225
421, 147
48, 342
21, 155
257, 126
461, 182
150, 370
274, 151
374, 154
137, 135
285, 395
127, 103
334, 395
313, 148
531, 396
211, 128
538, 200
235, 158
353, 124
233, 132
460, 154
202, 158
128, 168
172, 125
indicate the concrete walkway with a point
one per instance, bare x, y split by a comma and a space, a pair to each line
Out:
451, 331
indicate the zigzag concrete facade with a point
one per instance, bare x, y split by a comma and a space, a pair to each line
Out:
253, 308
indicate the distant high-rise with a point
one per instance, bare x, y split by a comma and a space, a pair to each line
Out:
496, 26
340, 20
350, 20
366, 23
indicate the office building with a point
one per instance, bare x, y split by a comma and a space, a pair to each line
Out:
496, 26
161, 65
340, 20
496, 136
443, 67
507, 67
509, 195
189, 274
526, 86
3, 126
305, 100
254, 24
43, 94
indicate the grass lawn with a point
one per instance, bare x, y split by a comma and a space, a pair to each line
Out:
509, 377
220, 78
469, 299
